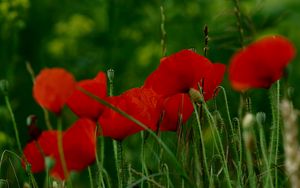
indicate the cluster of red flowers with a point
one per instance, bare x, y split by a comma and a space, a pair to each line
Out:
160, 103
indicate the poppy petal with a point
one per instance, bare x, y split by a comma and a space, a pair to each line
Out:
176, 106
84, 106
140, 103
212, 79
34, 157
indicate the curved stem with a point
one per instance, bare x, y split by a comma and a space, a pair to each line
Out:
46, 113
233, 134
14, 124
218, 142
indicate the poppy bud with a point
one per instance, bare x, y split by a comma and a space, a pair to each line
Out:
261, 117
110, 74
4, 86
33, 130
26, 185
49, 162
195, 95
248, 123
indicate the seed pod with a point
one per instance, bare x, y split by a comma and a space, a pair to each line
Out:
4, 86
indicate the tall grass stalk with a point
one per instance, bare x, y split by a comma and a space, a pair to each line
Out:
238, 15
275, 134
197, 164
163, 42
7, 102
260, 117
234, 138
106, 176
197, 97
90, 177
206, 169
218, 142
165, 171
100, 158
143, 162
8, 105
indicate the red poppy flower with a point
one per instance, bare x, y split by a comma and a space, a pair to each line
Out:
53, 87
83, 105
176, 108
261, 63
79, 145
184, 70
36, 150
142, 104
34, 157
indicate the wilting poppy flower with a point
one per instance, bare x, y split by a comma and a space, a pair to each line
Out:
177, 109
53, 87
184, 70
142, 104
83, 105
79, 145
261, 63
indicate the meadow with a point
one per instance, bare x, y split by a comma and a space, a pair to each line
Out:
169, 93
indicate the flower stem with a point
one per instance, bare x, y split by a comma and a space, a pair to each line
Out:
100, 159
117, 162
46, 113
165, 170
91, 178
233, 134
8, 105
117, 145
197, 97
202, 143
60, 147
205, 49
218, 143
14, 124
263, 146
275, 100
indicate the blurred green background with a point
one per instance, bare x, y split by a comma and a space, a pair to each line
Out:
88, 36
